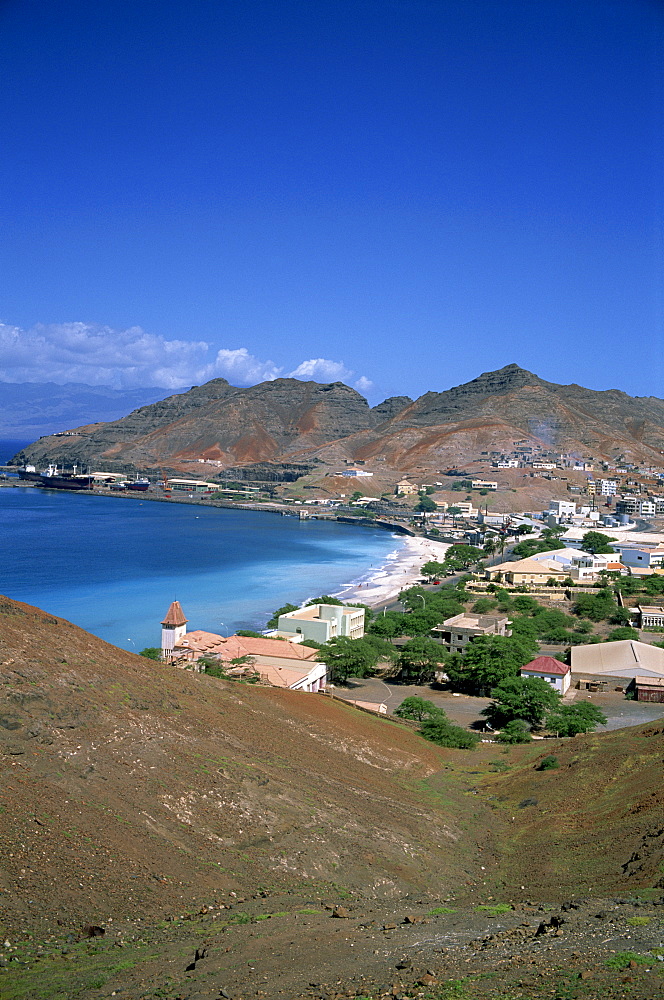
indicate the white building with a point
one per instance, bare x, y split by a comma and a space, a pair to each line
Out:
608, 487
322, 622
555, 673
562, 508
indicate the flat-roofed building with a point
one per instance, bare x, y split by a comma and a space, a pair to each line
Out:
458, 631
190, 485
322, 622
650, 616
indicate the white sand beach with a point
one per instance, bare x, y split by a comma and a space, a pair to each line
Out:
400, 570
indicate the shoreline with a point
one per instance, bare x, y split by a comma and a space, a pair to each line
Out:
376, 587
400, 570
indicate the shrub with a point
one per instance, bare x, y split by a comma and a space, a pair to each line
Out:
515, 731
419, 709
445, 734
568, 720
622, 959
624, 632
547, 763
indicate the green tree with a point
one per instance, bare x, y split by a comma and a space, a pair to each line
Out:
274, 620
532, 546
419, 660
653, 586
419, 623
440, 730
595, 542
490, 545
426, 505
346, 657
483, 605
380, 647
151, 653
418, 709
460, 557
526, 605
526, 698
515, 731
432, 568
621, 616
490, 659
325, 599
619, 634
568, 720
597, 607
388, 625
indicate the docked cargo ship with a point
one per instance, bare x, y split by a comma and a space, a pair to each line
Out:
54, 480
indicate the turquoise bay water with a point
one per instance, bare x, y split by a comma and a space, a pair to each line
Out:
114, 565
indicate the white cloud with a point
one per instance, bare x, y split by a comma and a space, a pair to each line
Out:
363, 384
97, 355
131, 358
240, 365
321, 370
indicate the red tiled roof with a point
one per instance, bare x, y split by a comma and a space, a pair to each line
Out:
175, 615
235, 646
546, 665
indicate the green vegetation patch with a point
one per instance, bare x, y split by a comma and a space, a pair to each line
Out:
494, 909
622, 959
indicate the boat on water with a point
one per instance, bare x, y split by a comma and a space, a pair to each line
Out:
29, 474
52, 479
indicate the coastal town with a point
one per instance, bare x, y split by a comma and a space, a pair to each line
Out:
460, 553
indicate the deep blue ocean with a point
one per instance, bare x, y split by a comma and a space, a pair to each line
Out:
113, 565
10, 446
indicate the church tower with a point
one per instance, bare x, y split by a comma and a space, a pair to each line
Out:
173, 627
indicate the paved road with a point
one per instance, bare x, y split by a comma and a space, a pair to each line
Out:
464, 710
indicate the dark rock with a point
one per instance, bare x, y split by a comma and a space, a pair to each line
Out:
92, 931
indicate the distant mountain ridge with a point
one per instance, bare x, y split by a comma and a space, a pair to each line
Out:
30, 409
287, 420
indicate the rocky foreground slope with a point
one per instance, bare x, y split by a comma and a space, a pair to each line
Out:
166, 834
291, 421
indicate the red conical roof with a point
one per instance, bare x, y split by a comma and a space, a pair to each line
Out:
175, 615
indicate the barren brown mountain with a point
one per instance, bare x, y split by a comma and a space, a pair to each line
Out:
171, 835
303, 422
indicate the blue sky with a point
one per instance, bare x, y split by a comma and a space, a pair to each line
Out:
399, 194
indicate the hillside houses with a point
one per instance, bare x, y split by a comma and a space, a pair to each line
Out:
277, 662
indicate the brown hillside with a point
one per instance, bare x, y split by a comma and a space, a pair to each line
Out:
132, 791
129, 786
286, 420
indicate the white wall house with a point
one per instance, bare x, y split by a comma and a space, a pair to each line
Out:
322, 622
555, 673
